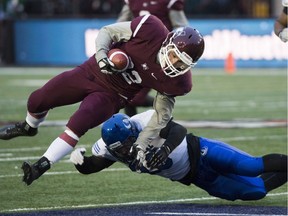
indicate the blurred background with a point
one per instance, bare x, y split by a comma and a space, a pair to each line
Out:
63, 32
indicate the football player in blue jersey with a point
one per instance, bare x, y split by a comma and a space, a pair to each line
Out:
218, 168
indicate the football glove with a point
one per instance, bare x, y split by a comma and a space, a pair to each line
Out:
77, 156
157, 157
283, 35
107, 66
139, 155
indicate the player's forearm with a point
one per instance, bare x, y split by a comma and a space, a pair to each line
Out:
93, 164
163, 106
173, 134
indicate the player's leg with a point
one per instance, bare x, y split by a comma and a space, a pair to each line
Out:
228, 159
234, 187
142, 99
228, 186
63, 89
94, 109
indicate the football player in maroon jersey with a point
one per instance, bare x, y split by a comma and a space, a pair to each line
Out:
160, 60
171, 13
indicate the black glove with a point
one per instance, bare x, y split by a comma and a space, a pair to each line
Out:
107, 66
158, 156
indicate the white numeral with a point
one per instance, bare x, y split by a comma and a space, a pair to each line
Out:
132, 77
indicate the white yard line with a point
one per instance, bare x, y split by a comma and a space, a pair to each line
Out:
67, 172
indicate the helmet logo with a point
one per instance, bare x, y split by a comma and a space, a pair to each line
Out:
126, 123
181, 44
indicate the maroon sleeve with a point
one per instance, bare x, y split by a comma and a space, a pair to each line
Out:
148, 29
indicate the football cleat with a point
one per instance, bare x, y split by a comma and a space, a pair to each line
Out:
18, 129
34, 171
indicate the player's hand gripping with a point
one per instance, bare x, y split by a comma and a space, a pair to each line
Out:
156, 157
77, 156
139, 155
283, 35
107, 66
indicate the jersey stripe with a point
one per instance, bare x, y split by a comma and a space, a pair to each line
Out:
171, 3
140, 24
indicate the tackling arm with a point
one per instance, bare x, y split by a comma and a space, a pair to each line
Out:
174, 135
93, 164
87, 165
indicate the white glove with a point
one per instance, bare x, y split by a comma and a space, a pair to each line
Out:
77, 156
283, 35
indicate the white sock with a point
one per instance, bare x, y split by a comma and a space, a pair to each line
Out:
33, 121
57, 150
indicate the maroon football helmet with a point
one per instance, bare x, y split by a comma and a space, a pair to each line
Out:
185, 43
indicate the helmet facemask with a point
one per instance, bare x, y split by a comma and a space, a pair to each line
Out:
169, 49
121, 150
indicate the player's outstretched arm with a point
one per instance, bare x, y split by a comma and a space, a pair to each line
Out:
163, 105
88, 165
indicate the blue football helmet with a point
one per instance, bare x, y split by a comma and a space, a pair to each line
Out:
119, 133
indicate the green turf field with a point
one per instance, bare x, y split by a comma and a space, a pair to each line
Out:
248, 95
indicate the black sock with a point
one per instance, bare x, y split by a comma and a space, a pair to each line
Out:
42, 165
274, 180
275, 163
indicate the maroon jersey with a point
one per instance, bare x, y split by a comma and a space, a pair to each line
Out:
143, 47
159, 8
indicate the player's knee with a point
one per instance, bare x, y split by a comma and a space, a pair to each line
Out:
35, 102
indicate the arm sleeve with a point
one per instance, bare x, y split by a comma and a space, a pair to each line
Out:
93, 164
163, 106
174, 134
178, 18
109, 34
125, 14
